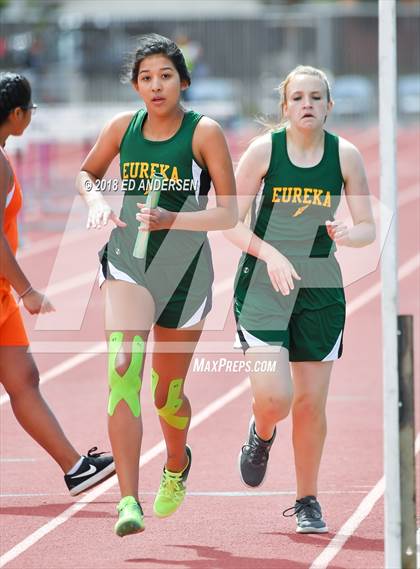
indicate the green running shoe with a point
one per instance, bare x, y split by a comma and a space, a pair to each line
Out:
130, 517
172, 490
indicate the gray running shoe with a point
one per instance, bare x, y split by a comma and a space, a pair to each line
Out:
308, 515
253, 458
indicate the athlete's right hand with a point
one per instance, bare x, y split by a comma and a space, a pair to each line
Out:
37, 303
281, 272
99, 213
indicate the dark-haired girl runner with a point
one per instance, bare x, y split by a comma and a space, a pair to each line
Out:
170, 288
18, 372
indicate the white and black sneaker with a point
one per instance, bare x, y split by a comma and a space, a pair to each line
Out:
93, 470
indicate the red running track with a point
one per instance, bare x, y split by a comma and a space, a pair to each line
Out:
221, 524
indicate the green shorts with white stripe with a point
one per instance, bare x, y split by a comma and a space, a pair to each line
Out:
309, 322
181, 290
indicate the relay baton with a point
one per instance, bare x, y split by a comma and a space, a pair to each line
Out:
152, 201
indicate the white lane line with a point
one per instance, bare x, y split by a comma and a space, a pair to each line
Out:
354, 521
262, 494
232, 494
201, 416
39, 494
17, 459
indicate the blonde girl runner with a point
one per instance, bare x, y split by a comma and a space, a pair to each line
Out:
289, 298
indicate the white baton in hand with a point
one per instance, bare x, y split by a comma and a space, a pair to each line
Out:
152, 201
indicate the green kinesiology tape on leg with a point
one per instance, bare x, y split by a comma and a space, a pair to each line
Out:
173, 403
125, 387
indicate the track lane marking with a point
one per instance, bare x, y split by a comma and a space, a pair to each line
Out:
160, 447
232, 494
33, 538
354, 521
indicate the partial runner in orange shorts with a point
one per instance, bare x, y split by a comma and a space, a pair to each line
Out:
18, 372
12, 329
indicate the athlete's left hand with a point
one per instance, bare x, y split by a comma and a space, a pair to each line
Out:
338, 232
153, 219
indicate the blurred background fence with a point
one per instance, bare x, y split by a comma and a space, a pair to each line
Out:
74, 51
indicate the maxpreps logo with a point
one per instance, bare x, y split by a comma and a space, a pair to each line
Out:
305, 196
138, 175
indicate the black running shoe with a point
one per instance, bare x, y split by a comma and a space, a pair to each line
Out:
308, 515
253, 458
93, 470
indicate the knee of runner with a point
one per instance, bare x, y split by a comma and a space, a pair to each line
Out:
274, 408
122, 363
161, 397
32, 378
121, 359
124, 373
308, 408
169, 399
29, 380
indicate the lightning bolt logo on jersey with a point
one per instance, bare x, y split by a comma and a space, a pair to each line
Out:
294, 203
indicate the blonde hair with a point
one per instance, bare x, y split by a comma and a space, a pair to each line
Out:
301, 70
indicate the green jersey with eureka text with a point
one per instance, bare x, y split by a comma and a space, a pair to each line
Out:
185, 188
294, 203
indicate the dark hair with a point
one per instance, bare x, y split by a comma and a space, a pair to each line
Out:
15, 91
154, 44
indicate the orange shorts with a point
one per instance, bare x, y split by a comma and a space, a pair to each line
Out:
12, 329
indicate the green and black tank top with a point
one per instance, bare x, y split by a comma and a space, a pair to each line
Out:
294, 203
185, 188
